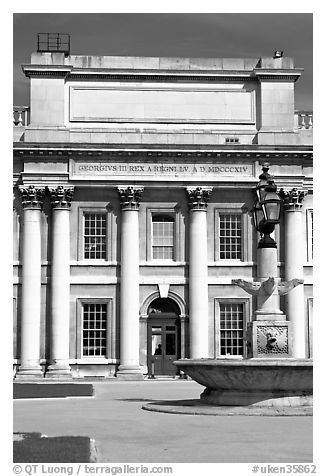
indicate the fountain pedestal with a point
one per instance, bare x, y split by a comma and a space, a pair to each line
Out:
269, 339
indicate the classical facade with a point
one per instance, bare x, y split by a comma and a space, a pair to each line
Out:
133, 186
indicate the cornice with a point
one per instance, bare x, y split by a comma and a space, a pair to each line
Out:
46, 70
71, 73
278, 74
162, 76
113, 74
32, 151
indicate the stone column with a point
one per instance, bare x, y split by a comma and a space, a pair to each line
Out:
198, 272
129, 368
32, 199
268, 303
294, 257
60, 283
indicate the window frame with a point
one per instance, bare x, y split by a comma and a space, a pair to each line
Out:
309, 234
246, 303
163, 246
246, 231
309, 327
176, 215
82, 211
110, 330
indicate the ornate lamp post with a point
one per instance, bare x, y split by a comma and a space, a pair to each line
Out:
269, 334
267, 209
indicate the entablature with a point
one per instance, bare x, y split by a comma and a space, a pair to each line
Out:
277, 154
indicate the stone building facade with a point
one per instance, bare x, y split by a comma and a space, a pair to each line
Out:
133, 185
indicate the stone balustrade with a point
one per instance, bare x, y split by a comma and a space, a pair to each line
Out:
21, 116
304, 120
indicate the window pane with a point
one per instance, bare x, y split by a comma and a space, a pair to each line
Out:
94, 329
231, 329
162, 237
95, 231
230, 239
170, 347
156, 344
312, 233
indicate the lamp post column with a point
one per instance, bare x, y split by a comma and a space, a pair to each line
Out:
60, 283
292, 204
32, 200
129, 368
198, 275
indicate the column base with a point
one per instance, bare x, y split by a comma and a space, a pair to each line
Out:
269, 316
130, 372
29, 373
58, 370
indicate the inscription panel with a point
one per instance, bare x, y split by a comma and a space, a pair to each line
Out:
158, 171
168, 105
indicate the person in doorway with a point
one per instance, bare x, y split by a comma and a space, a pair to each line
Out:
158, 350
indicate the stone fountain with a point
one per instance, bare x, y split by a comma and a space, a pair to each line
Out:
269, 376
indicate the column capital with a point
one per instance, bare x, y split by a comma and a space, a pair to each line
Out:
32, 197
61, 197
130, 197
198, 197
292, 199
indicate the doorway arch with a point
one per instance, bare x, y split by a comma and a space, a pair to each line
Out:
163, 336
143, 311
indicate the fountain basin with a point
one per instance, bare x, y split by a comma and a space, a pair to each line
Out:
252, 382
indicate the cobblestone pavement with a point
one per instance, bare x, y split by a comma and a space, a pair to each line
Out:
125, 433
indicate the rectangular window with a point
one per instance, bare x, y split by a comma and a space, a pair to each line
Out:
162, 237
310, 327
94, 329
95, 235
231, 329
232, 140
230, 236
310, 235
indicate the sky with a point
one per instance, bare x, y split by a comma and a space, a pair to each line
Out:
215, 35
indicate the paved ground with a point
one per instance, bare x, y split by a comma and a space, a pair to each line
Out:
125, 433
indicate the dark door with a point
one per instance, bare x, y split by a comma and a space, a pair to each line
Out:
163, 344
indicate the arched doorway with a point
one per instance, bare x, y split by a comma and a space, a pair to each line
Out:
163, 336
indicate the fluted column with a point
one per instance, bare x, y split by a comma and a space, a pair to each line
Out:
294, 257
129, 368
198, 272
32, 200
60, 283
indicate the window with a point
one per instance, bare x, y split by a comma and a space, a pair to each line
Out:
232, 140
310, 236
233, 234
95, 235
231, 318
310, 328
231, 329
230, 236
94, 329
163, 231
